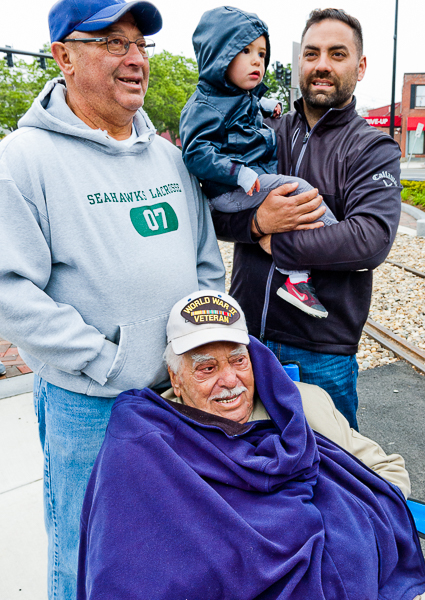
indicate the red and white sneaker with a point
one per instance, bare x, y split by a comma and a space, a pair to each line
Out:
303, 296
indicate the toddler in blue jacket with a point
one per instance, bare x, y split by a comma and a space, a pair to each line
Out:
225, 142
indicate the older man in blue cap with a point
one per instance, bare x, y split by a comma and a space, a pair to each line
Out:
105, 230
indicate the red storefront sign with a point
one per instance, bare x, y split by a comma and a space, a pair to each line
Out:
413, 122
384, 121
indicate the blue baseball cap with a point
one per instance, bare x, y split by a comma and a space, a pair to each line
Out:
67, 16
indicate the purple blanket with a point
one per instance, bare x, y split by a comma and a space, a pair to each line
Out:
183, 505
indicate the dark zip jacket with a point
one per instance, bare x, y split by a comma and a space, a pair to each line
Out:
183, 504
356, 169
221, 126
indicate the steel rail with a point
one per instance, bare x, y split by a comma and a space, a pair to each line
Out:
408, 269
400, 347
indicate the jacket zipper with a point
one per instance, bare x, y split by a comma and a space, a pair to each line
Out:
304, 146
305, 142
307, 136
266, 302
293, 141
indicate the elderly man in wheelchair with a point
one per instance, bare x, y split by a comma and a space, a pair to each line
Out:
239, 484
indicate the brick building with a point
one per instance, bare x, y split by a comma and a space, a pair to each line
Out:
412, 113
380, 118
408, 113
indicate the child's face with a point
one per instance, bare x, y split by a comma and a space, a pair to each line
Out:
246, 70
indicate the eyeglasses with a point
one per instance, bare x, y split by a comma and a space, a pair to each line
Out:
120, 45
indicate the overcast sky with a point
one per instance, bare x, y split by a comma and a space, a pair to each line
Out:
23, 24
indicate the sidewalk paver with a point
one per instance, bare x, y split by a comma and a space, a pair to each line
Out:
408, 221
14, 364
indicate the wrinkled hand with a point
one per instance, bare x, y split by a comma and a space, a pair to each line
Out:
255, 187
280, 212
277, 111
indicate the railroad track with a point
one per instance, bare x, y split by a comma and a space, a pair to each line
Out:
405, 268
389, 340
400, 347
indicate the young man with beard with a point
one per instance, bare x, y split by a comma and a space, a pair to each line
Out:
356, 170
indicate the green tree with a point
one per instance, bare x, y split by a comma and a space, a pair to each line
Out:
172, 81
19, 86
277, 89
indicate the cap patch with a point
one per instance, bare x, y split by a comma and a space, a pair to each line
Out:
210, 309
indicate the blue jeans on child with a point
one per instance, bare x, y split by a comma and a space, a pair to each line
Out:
334, 373
71, 428
237, 200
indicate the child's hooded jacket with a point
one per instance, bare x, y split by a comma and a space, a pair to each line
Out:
221, 126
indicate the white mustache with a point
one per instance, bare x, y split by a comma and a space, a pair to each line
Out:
226, 394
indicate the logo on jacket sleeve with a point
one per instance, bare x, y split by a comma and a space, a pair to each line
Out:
387, 179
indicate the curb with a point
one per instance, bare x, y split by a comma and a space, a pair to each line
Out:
21, 384
407, 231
413, 212
408, 177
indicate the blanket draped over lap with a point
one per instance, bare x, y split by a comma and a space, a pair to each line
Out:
183, 505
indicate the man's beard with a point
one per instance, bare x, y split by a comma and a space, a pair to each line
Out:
342, 90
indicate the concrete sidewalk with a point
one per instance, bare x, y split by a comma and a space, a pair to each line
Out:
23, 541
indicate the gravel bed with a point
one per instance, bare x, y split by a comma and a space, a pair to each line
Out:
409, 251
398, 300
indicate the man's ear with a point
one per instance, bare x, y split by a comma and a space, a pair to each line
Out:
62, 56
362, 68
174, 378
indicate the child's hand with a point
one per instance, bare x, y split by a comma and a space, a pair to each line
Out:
277, 111
255, 187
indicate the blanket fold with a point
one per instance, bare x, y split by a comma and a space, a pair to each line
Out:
180, 507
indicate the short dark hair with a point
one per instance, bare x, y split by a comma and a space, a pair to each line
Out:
317, 15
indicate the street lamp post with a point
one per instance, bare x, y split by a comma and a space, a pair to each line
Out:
392, 114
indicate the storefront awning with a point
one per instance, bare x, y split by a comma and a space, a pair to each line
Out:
384, 121
413, 122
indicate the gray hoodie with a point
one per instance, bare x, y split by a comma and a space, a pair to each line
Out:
98, 240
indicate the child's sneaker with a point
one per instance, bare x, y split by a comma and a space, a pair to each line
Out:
303, 296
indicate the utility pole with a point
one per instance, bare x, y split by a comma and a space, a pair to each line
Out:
392, 114
295, 92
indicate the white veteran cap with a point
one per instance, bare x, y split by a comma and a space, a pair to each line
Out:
203, 317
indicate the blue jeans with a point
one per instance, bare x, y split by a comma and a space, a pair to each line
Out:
334, 373
71, 427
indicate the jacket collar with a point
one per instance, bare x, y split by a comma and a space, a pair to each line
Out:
334, 117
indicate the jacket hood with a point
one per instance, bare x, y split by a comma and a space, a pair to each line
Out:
220, 35
50, 111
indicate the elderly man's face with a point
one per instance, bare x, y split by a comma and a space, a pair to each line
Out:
218, 379
114, 86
